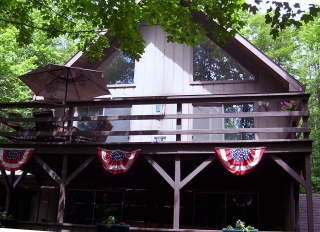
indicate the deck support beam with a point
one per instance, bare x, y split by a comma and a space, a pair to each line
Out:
177, 184
62, 190
309, 193
176, 204
63, 181
10, 184
306, 183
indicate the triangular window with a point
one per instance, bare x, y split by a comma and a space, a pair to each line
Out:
118, 69
211, 63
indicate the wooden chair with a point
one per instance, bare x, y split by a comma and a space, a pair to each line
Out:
47, 126
102, 125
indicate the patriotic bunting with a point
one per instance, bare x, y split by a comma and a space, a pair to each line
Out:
14, 159
240, 161
117, 161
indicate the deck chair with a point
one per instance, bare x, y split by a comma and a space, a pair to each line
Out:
102, 125
45, 126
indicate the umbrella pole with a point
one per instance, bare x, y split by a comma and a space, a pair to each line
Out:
65, 98
70, 113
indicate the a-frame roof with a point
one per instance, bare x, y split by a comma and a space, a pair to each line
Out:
238, 47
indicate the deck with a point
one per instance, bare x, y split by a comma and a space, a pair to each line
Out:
68, 149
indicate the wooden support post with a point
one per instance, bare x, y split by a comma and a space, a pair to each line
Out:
62, 191
10, 185
177, 184
176, 207
309, 193
296, 206
8, 188
63, 181
306, 183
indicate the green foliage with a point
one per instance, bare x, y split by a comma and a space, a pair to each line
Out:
109, 222
229, 227
16, 60
240, 225
297, 51
88, 21
282, 50
288, 105
3, 215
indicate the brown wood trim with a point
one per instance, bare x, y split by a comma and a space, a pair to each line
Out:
176, 189
50, 172
20, 178
151, 100
309, 193
222, 82
5, 179
159, 169
197, 170
295, 114
289, 170
290, 147
80, 169
159, 132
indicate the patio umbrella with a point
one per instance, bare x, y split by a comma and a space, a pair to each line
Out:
66, 83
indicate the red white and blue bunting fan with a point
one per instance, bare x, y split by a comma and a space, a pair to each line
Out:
117, 161
240, 161
12, 159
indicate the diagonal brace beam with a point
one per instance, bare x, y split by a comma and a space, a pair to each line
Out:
51, 173
289, 170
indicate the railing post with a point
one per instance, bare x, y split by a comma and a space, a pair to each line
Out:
179, 111
69, 125
304, 107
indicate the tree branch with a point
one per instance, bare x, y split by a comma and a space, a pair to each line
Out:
45, 29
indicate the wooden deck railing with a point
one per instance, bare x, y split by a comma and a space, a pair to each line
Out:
295, 129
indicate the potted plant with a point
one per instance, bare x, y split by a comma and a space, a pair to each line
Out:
288, 105
240, 227
110, 225
7, 221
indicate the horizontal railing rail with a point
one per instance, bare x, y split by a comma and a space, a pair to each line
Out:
297, 127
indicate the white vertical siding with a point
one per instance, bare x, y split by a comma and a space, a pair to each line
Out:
166, 69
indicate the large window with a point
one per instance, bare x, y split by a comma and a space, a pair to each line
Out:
91, 207
118, 69
223, 123
211, 63
217, 210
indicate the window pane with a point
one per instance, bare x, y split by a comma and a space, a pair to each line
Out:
80, 207
239, 122
211, 63
108, 203
207, 123
119, 125
118, 69
91, 207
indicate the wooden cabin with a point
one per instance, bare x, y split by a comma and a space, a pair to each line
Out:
177, 105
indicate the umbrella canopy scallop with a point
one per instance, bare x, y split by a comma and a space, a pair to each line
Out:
66, 83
